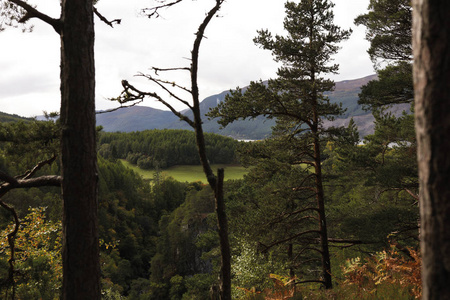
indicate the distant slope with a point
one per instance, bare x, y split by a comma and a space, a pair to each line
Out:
139, 118
5, 118
136, 118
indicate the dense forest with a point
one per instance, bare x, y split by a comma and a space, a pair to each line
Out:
321, 214
158, 240
152, 149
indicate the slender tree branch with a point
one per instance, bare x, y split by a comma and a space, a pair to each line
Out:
169, 69
32, 12
131, 93
289, 239
415, 196
105, 20
153, 12
36, 168
117, 108
162, 83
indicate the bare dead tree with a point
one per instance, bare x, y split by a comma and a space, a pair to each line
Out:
130, 94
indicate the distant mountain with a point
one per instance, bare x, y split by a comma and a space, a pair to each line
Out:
139, 118
136, 118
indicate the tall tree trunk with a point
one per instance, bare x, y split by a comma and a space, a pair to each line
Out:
81, 268
431, 46
325, 252
222, 224
326, 264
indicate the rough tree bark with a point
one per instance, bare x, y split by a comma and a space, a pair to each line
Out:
431, 47
81, 267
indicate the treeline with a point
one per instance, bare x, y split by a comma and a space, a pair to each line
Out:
159, 241
165, 148
130, 211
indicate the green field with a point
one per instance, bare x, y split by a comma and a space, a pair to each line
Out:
189, 173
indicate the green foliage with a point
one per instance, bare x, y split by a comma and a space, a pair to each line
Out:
153, 149
27, 143
5, 118
251, 269
393, 86
388, 24
287, 175
185, 249
186, 173
38, 265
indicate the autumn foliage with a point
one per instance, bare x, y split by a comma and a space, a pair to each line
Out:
386, 267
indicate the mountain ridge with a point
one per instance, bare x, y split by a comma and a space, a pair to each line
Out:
138, 118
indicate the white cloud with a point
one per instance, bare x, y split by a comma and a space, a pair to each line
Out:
29, 77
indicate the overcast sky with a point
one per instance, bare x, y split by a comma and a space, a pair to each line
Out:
29, 62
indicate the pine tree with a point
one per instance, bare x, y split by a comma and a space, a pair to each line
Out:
296, 98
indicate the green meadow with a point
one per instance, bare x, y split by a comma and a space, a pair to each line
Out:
189, 173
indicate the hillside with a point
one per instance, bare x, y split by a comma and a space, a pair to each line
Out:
139, 118
4, 118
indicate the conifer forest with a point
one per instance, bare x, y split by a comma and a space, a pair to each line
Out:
323, 211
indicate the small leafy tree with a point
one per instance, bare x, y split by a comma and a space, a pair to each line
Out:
38, 263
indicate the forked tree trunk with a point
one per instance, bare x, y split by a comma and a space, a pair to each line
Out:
81, 268
431, 46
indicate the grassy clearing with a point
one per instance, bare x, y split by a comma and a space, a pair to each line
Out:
189, 173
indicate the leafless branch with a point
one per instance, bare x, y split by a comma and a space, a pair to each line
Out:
349, 243
131, 93
169, 69
162, 84
32, 12
153, 12
267, 248
415, 196
310, 281
30, 173
105, 20
117, 108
